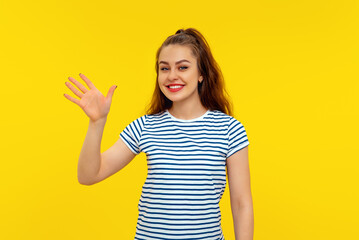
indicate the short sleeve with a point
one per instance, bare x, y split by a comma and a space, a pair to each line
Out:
237, 136
132, 133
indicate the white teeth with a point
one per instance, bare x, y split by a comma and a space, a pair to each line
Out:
175, 86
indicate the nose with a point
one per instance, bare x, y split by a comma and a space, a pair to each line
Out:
172, 75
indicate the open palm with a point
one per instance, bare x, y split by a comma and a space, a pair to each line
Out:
93, 102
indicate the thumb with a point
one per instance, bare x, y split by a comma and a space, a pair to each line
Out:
111, 91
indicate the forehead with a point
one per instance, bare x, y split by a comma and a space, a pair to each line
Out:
175, 52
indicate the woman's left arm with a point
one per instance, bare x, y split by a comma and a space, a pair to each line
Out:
240, 194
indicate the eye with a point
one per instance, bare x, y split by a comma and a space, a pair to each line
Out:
182, 68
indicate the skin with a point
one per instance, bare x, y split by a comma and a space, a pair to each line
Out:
240, 194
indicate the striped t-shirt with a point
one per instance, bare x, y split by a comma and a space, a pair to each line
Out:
186, 176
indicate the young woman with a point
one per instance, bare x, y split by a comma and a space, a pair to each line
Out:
190, 140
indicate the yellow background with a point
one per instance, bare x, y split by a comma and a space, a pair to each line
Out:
291, 68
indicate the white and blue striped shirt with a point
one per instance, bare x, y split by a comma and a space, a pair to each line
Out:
186, 178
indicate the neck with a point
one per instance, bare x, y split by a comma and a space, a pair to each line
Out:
187, 111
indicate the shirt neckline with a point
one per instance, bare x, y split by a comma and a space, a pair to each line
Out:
187, 120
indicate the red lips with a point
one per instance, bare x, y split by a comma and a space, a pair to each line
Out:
175, 89
174, 84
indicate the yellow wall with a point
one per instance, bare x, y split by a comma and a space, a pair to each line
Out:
291, 68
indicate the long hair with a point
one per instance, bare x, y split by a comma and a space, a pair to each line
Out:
212, 92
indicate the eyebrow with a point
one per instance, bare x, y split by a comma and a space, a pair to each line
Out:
183, 60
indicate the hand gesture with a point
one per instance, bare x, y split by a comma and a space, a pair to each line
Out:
95, 105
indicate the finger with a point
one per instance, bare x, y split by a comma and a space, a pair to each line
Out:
74, 100
110, 92
74, 90
78, 84
87, 81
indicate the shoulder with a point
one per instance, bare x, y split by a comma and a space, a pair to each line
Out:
221, 116
153, 118
232, 123
140, 120
138, 123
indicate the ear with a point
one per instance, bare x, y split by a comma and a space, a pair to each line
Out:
200, 79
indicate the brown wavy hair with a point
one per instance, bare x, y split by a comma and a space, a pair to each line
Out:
212, 92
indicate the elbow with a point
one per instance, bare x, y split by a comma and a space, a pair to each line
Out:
85, 178
85, 182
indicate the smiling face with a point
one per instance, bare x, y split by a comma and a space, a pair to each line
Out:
178, 74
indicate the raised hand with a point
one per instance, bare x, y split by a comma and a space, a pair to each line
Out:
93, 103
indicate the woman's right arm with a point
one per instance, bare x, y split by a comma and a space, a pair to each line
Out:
94, 166
90, 156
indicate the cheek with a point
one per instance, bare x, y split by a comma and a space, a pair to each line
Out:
160, 80
191, 74
160, 83
161, 75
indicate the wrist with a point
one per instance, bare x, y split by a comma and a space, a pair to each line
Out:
98, 122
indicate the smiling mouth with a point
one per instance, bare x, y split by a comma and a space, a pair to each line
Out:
175, 86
